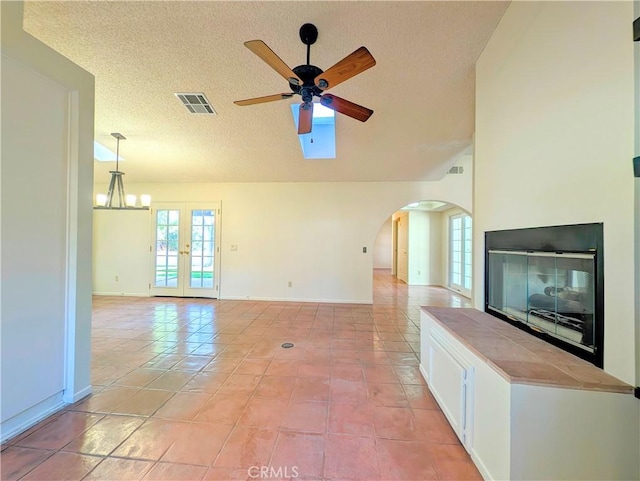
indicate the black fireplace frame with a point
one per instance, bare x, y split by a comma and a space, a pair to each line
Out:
575, 238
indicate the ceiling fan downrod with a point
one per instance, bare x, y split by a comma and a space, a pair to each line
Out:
308, 35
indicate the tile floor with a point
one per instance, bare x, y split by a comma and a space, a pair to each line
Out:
197, 389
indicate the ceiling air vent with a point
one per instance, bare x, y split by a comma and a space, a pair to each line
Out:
196, 103
456, 169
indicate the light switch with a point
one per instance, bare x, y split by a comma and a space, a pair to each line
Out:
364, 250
234, 247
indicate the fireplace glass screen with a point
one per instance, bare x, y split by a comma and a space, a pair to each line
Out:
550, 293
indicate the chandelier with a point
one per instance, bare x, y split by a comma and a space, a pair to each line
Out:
116, 186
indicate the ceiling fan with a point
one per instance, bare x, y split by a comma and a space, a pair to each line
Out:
309, 81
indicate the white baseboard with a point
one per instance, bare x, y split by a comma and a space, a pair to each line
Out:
24, 420
424, 373
122, 294
76, 396
460, 293
289, 299
249, 298
484, 472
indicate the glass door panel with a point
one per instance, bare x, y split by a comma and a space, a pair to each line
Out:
167, 253
467, 252
456, 250
460, 253
203, 247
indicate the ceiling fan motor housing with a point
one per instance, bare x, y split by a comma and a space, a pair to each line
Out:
306, 73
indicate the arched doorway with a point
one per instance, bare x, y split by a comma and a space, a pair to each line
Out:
427, 243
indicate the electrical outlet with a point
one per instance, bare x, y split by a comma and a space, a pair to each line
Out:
290, 283
418, 272
234, 247
117, 278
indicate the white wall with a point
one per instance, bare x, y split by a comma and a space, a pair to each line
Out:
47, 172
554, 138
425, 249
34, 246
383, 247
309, 233
122, 261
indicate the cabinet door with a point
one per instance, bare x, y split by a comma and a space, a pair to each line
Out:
450, 382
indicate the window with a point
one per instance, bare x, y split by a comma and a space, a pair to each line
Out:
460, 242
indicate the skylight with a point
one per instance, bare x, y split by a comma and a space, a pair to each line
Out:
103, 154
427, 205
320, 143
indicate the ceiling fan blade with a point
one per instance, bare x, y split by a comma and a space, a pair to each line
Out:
345, 107
261, 100
348, 67
305, 118
265, 53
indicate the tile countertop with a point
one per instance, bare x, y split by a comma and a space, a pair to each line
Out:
520, 357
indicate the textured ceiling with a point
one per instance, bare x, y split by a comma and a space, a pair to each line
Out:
422, 88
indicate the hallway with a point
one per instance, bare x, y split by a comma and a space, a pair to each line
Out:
201, 389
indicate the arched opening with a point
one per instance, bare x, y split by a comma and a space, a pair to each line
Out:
427, 243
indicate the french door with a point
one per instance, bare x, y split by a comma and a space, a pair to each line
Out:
186, 250
460, 261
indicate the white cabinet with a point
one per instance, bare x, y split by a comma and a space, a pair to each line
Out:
520, 431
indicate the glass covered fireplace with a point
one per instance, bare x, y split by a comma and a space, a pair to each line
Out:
548, 281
